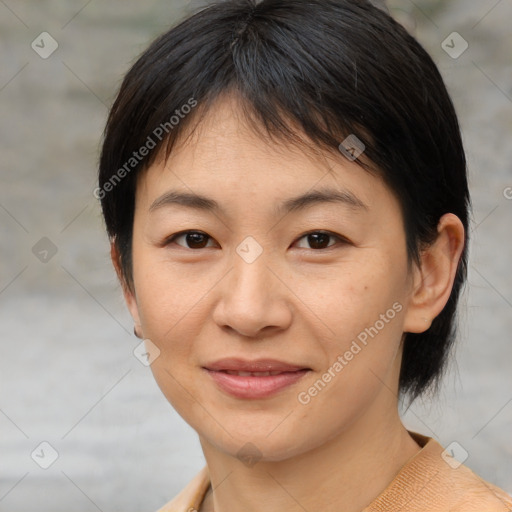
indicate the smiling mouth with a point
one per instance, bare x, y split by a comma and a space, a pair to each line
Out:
255, 385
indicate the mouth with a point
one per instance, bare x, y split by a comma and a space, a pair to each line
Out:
252, 374
254, 379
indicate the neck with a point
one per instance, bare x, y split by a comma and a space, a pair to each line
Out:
351, 469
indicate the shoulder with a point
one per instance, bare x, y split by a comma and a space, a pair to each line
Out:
465, 490
473, 494
433, 481
191, 497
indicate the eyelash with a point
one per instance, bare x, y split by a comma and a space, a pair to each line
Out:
341, 239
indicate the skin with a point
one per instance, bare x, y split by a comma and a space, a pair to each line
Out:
296, 303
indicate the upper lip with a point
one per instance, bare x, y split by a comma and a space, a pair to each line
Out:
258, 365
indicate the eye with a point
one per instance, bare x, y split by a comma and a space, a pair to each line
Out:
316, 240
192, 239
320, 240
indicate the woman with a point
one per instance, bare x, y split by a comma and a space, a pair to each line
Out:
284, 186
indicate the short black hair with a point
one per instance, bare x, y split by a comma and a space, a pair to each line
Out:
333, 68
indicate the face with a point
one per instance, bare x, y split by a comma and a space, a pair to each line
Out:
254, 274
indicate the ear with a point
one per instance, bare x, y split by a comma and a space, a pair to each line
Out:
433, 282
129, 294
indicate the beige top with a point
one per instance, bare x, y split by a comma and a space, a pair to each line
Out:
427, 483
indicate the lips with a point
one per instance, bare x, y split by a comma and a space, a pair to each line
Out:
254, 379
259, 365
251, 374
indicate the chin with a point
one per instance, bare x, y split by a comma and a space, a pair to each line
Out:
258, 448
257, 442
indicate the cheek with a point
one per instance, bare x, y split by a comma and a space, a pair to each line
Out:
353, 296
363, 306
173, 307
169, 295
361, 364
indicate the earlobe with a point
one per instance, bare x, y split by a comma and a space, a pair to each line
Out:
433, 282
129, 294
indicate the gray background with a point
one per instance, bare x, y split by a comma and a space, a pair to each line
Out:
68, 375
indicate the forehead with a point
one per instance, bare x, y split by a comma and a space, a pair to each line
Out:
225, 157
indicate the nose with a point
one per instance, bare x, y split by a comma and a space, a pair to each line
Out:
253, 300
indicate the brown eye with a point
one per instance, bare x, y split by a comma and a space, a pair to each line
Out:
193, 239
319, 240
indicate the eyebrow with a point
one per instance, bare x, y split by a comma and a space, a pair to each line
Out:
319, 196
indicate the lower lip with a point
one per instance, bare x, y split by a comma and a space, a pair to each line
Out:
255, 387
